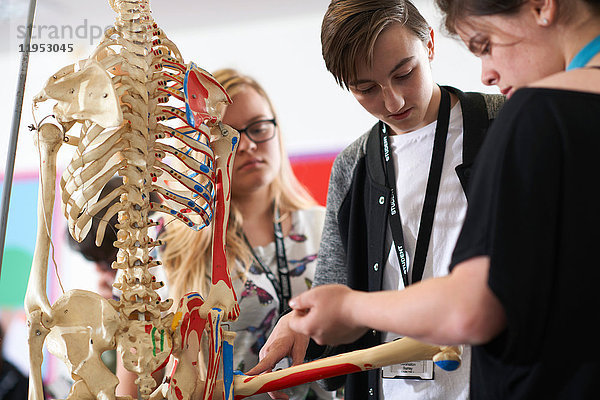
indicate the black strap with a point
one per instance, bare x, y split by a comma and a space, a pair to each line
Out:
282, 265
282, 286
431, 194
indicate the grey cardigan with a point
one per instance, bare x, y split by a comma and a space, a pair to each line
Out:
354, 243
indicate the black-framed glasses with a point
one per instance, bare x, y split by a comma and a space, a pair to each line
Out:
260, 131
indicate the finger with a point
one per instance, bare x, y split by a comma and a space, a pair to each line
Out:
299, 350
298, 324
302, 301
301, 312
272, 350
297, 303
264, 365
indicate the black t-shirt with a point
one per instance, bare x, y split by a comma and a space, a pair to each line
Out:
534, 211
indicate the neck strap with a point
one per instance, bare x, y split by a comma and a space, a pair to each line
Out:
585, 54
282, 285
431, 194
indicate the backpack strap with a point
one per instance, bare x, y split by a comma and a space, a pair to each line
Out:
478, 110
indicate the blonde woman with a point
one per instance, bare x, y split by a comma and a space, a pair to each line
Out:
266, 196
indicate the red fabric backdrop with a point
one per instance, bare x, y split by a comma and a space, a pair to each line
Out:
313, 171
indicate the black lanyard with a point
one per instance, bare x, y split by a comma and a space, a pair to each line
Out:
282, 286
431, 194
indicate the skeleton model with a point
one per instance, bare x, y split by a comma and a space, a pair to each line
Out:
138, 106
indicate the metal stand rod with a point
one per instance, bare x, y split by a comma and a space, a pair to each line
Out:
14, 132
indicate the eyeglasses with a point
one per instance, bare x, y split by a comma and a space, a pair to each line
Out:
260, 131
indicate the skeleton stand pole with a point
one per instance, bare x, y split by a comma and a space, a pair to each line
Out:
14, 132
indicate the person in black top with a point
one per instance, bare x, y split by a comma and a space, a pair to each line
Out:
104, 255
13, 384
524, 276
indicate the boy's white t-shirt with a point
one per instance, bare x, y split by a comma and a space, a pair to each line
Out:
412, 159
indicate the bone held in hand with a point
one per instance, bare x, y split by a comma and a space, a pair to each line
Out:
396, 352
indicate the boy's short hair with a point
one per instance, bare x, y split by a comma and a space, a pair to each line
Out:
351, 27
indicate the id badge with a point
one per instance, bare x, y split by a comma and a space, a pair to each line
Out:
410, 370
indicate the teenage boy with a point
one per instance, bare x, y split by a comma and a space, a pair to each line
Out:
397, 195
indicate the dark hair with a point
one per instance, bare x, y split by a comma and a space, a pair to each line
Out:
351, 27
106, 253
456, 10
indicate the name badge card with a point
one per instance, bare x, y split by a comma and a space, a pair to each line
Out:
411, 370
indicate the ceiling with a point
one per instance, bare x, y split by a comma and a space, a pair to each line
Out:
170, 14
167, 12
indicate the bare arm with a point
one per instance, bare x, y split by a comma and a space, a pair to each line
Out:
458, 308
127, 386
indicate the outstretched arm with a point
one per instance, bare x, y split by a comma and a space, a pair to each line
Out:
458, 308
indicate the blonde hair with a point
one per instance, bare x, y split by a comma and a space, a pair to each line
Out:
187, 253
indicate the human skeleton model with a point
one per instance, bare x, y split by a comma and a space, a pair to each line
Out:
131, 97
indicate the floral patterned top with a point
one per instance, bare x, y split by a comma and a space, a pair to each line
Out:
257, 296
